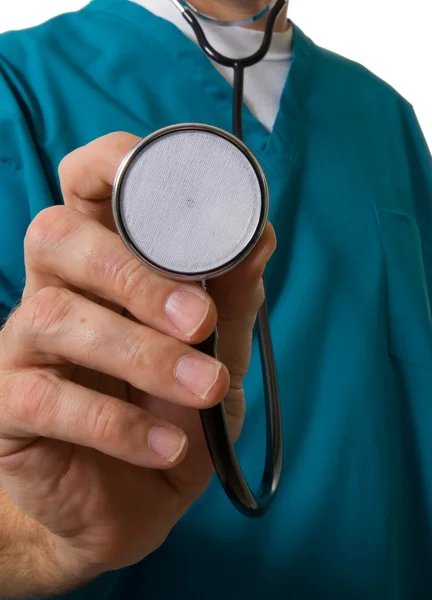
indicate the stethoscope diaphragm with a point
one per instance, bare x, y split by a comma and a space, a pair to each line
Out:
191, 201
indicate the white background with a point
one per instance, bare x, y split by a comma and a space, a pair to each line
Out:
390, 37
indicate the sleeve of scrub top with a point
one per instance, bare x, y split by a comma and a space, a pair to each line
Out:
13, 224
24, 188
419, 160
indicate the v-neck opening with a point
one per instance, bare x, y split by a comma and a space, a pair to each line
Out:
171, 39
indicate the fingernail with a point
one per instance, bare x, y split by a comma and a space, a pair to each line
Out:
167, 443
186, 311
198, 375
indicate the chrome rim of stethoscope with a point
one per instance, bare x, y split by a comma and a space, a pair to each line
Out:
123, 231
182, 5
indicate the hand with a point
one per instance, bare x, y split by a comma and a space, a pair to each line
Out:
100, 437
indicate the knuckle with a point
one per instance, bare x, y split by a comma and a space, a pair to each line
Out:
38, 313
137, 352
144, 352
110, 423
238, 370
47, 230
43, 221
31, 398
48, 308
131, 279
253, 302
66, 166
235, 404
120, 142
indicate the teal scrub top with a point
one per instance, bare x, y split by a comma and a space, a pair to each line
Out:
349, 291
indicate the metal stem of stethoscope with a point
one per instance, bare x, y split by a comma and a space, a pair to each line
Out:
214, 420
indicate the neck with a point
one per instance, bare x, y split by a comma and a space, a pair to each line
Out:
233, 10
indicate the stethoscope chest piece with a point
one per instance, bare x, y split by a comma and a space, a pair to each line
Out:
191, 201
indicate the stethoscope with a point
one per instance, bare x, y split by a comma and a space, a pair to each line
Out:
172, 205
273, 11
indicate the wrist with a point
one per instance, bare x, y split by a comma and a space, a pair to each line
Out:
30, 562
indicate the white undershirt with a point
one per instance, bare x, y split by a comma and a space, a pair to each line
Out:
265, 81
